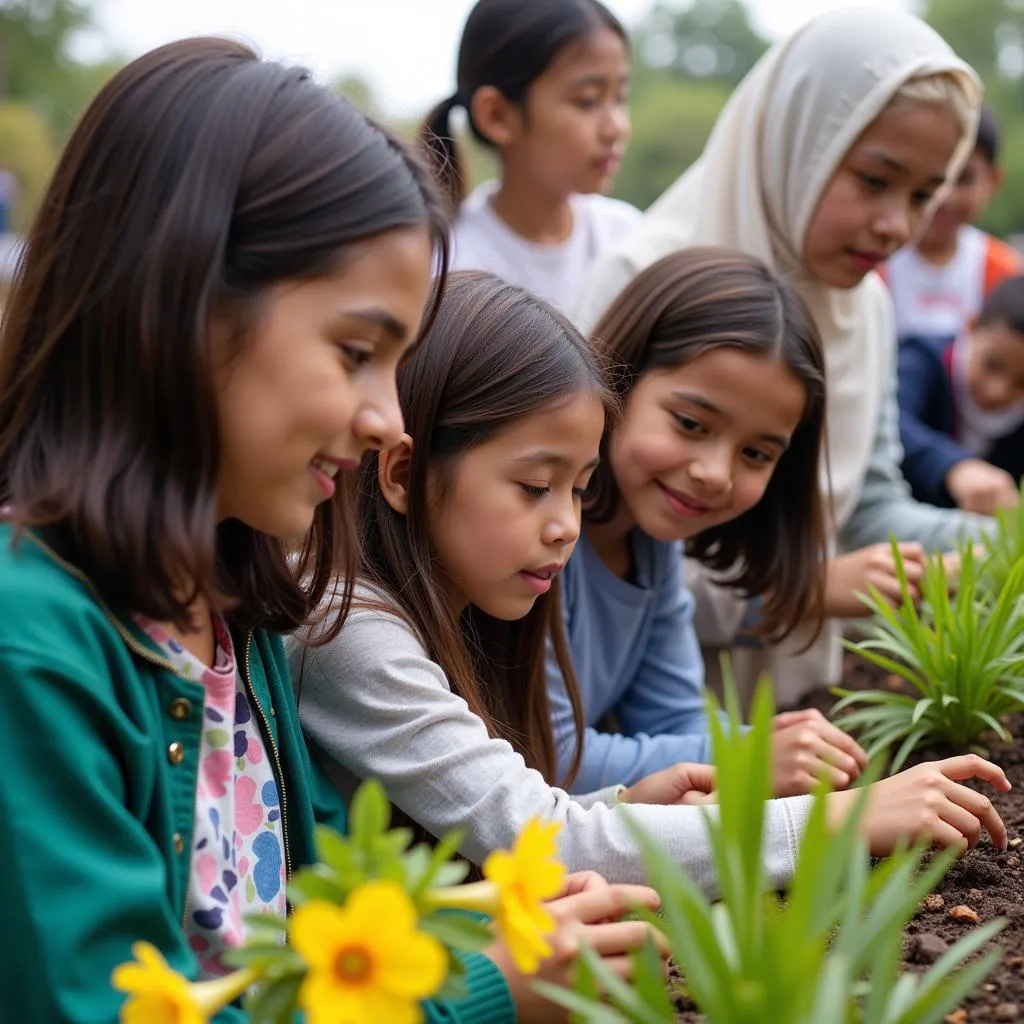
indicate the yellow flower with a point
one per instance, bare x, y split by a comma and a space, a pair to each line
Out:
159, 995
367, 962
525, 877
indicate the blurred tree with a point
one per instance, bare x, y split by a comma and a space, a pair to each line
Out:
671, 123
687, 57
358, 91
29, 151
36, 65
702, 39
989, 35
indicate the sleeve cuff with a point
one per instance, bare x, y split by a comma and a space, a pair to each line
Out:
489, 1000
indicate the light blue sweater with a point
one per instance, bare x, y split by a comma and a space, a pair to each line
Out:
636, 655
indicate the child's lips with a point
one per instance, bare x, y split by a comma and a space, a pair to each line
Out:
867, 260
682, 504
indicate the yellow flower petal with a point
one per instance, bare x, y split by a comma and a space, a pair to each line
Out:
377, 902
500, 868
526, 876
383, 1006
545, 881
526, 942
326, 1003
537, 841
313, 930
414, 967
156, 994
368, 962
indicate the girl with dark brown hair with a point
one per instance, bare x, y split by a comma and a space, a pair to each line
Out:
435, 685
225, 272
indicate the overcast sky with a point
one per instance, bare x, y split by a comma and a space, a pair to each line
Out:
406, 48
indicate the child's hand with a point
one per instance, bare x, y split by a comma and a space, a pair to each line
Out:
679, 784
978, 486
926, 802
850, 574
592, 917
806, 747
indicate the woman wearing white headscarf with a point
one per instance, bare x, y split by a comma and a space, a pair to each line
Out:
773, 153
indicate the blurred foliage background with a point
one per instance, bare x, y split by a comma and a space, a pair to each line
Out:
689, 54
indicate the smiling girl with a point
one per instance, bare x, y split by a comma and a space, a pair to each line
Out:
471, 521
827, 158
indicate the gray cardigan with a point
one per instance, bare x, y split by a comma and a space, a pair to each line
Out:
373, 704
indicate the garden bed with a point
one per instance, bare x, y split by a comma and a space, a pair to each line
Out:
987, 883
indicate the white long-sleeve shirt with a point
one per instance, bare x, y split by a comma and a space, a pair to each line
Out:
373, 704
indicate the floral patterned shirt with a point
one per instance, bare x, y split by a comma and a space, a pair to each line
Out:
237, 865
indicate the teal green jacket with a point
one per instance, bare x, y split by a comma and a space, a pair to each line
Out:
99, 752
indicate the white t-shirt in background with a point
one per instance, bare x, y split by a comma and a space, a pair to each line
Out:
937, 301
481, 240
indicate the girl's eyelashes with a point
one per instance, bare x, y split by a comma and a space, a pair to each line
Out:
759, 456
688, 423
356, 356
535, 490
872, 182
876, 185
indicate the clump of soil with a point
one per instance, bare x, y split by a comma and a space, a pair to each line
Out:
983, 885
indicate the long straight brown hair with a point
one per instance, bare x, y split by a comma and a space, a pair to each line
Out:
493, 356
679, 308
199, 177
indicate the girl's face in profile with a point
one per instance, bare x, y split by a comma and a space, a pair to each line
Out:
313, 388
505, 519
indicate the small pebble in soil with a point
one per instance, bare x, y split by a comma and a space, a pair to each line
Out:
976, 895
964, 913
926, 948
956, 1017
1012, 861
1014, 962
1015, 842
1006, 1011
933, 901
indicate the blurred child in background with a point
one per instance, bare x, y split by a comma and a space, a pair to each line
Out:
939, 283
545, 87
962, 408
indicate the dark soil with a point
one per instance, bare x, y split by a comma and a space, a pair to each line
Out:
985, 881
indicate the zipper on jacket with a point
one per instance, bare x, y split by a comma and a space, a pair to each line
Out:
278, 772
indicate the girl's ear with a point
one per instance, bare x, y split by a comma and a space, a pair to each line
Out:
496, 118
393, 467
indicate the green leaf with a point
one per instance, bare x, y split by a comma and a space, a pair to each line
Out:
623, 996
458, 930
369, 813
313, 885
591, 1010
262, 957
275, 1002
335, 852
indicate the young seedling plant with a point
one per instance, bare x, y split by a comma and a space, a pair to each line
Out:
830, 951
962, 653
1004, 549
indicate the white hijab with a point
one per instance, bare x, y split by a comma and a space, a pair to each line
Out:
773, 150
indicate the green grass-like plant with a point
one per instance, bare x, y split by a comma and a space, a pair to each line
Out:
964, 655
829, 952
1004, 549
